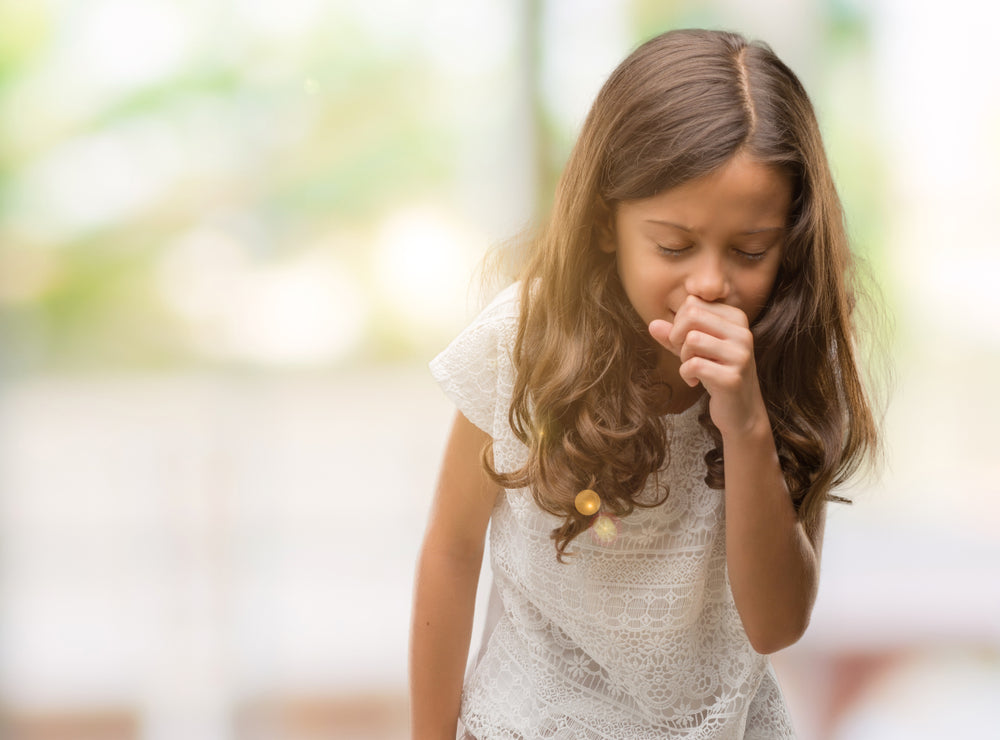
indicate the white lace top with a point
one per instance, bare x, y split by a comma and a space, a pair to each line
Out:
635, 636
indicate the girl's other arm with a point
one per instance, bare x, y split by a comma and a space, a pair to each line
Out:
446, 580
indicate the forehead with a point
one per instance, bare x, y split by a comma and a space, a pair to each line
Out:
742, 195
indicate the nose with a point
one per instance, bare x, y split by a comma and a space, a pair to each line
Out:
708, 278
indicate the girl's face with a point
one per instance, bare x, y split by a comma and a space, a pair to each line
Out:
719, 237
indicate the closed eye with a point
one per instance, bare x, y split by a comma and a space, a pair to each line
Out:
751, 256
672, 251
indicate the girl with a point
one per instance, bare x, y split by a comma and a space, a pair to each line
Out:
651, 421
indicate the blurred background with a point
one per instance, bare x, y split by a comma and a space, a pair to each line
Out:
232, 234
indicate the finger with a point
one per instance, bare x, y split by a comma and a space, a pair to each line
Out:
735, 352
733, 314
716, 377
709, 320
690, 370
700, 344
661, 331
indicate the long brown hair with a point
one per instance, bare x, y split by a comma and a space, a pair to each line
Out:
679, 107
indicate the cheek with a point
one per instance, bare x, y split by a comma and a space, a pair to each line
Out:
655, 279
761, 293
757, 295
644, 285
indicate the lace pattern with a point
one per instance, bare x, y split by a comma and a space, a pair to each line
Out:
633, 638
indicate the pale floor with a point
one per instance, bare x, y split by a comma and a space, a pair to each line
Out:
220, 557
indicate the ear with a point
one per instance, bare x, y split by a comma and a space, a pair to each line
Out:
604, 226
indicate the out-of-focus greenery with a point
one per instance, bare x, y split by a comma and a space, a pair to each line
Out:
276, 143
271, 144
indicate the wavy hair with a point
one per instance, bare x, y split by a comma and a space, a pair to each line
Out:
679, 107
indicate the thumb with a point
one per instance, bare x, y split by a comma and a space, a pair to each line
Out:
660, 331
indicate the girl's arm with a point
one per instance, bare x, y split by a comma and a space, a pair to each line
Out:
773, 562
446, 580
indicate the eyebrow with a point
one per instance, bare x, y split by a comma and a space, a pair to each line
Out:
742, 233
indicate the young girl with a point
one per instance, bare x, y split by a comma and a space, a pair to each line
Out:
651, 421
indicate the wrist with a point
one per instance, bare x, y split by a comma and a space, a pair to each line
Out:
754, 427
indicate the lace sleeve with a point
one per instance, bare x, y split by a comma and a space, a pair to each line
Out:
475, 370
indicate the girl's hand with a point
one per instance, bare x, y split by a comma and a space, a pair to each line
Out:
715, 347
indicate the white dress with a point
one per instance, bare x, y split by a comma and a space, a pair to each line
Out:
636, 635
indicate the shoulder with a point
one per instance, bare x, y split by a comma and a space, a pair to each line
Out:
476, 370
504, 308
495, 327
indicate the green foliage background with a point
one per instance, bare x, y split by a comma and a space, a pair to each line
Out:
281, 142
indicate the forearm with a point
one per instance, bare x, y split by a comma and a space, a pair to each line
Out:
439, 643
773, 565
